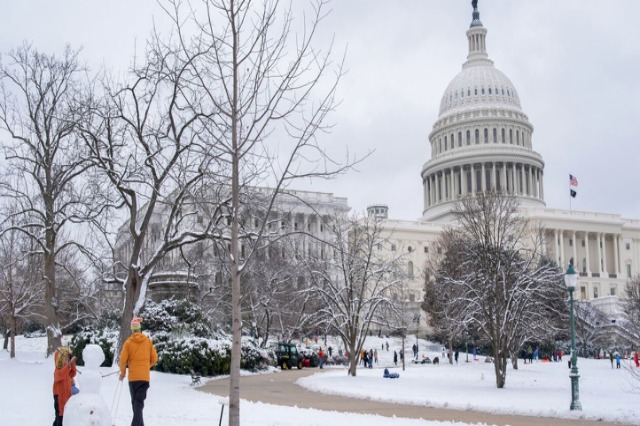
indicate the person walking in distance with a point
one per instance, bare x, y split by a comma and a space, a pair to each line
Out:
138, 355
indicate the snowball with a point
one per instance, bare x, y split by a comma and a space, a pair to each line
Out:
86, 409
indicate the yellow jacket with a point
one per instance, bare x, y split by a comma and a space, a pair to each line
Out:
139, 355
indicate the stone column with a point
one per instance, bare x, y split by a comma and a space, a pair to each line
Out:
599, 247
604, 254
453, 186
586, 250
541, 184
473, 180
562, 262
463, 180
575, 251
483, 179
523, 181
557, 246
493, 177
616, 257
503, 178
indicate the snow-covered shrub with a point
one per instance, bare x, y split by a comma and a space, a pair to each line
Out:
181, 317
106, 338
207, 357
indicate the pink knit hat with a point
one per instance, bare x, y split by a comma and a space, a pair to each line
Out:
135, 323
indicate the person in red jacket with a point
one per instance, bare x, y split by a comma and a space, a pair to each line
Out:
63, 375
138, 355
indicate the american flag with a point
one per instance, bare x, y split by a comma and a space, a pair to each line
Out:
573, 181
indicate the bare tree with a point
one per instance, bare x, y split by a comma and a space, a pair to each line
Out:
44, 175
146, 138
21, 293
272, 92
631, 306
358, 286
502, 286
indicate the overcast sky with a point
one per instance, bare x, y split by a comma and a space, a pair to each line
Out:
575, 64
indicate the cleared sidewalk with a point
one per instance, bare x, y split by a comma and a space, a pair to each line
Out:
280, 389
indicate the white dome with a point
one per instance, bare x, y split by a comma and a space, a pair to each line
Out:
479, 84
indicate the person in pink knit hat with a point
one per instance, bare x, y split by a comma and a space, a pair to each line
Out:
138, 355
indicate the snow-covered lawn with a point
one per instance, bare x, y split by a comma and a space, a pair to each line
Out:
540, 389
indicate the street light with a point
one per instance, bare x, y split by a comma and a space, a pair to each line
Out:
571, 279
416, 319
404, 355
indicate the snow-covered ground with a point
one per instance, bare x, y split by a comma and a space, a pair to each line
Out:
541, 389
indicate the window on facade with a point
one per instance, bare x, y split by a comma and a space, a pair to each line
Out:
486, 135
379, 246
321, 227
445, 143
511, 136
504, 139
584, 265
489, 90
468, 137
495, 135
628, 271
477, 136
570, 242
452, 141
483, 90
582, 243
410, 249
410, 269
583, 293
595, 292
426, 249
627, 246
612, 290
459, 139
439, 250
393, 247
468, 92
476, 91
517, 137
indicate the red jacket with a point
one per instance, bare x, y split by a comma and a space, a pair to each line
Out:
139, 355
62, 382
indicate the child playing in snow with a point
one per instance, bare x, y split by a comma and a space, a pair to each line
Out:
63, 376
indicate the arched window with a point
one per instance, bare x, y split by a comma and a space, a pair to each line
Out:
452, 141
486, 135
468, 137
410, 269
495, 135
504, 139
483, 90
517, 137
584, 265
459, 138
477, 136
511, 136
445, 143
489, 90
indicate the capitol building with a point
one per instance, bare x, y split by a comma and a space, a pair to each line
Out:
482, 141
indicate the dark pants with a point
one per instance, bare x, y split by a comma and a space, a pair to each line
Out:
58, 419
138, 391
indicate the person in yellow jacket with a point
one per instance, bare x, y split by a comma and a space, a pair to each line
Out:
138, 355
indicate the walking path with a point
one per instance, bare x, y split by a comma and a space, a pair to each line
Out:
281, 389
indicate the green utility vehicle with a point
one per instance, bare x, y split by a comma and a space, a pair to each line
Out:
288, 356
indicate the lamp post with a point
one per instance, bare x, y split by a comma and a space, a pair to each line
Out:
403, 330
571, 279
416, 319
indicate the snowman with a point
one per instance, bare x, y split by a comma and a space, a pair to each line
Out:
87, 408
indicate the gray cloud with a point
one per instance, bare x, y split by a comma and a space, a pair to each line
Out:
574, 63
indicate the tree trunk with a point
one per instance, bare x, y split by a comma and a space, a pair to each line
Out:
54, 334
131, 294
12, 334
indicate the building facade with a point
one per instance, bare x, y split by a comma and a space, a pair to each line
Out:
483, 141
